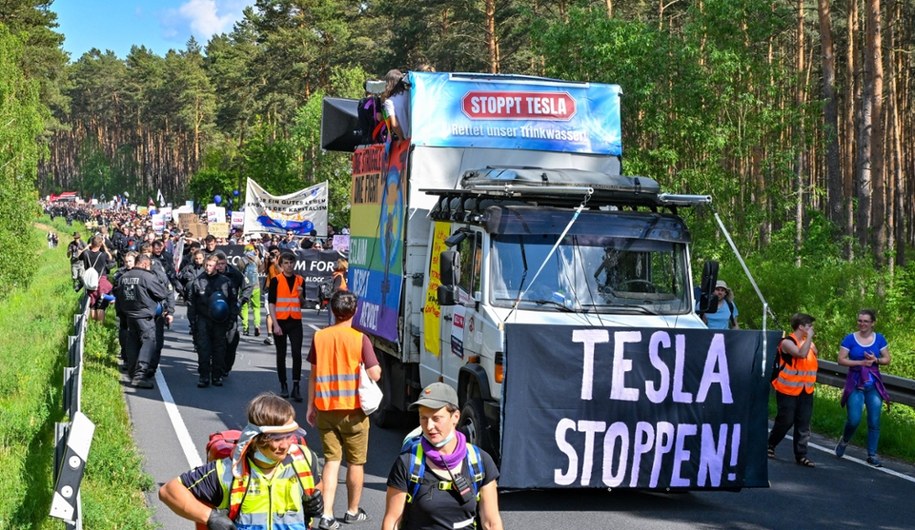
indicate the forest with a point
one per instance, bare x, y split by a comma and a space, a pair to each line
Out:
797, 117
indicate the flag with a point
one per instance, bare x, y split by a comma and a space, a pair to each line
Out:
160, 198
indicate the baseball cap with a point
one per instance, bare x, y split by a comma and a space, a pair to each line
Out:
436, 396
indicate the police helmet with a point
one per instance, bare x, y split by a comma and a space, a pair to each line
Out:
219, 308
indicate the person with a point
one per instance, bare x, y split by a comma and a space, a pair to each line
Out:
130, 260
211, 294
396, 104
96, 256
338, 283
188, 274
288, 242
168, 306
794, 386
268, 477
726, 315
139, 296
251, 270
74, 252
240, 292
272, 268
285, 296
333, 405
863, 352
432, 497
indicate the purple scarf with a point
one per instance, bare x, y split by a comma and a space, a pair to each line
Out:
451, 460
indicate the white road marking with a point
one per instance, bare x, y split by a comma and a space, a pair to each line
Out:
184, 437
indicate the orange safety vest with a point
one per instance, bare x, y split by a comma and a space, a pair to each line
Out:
800, 374
342, 276
338, 350
288, 304
272, 272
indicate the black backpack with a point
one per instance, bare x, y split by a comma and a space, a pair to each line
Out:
370, 129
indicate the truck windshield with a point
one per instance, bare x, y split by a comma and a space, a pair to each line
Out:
590, 274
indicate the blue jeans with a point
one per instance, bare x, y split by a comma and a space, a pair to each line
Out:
855, 405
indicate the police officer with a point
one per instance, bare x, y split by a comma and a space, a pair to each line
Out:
212, 296
139, 294
168, 307
188, 274
242, 294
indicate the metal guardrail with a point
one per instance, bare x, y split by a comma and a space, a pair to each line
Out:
901, 390
73, 438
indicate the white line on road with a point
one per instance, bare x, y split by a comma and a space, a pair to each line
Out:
184, 437
886, 470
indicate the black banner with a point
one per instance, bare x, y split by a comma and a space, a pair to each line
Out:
313, 265
634, 408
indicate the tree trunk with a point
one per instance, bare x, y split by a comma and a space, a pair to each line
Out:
491, 39
852, 96
800, 161
830, 116
874, 56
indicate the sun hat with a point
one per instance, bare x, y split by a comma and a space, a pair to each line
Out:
723, 285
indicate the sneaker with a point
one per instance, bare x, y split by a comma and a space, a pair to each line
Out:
874, 461
269, 340
245, 333
203, 382
217, 381
142, 382
840, 448
358, 517
770, 452
257, 332
328, 523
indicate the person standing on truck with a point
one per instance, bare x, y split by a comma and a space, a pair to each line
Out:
333, 405
439, 480
863, 352
396, 103
726, 315
794, 386
269, 477
285, 296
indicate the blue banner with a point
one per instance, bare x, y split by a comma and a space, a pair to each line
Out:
634, 408
513, 112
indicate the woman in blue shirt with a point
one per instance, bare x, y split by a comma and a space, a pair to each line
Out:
863, 352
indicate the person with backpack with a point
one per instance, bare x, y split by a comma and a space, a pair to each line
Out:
795, 378
439, 480
74, 252
96, 262
396, 104
251, 270
726, 315
270, 477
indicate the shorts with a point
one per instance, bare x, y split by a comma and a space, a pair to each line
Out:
344, 430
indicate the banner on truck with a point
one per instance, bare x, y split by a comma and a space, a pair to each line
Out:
376, 236
432, 311
519, 113
301, 211
634, 408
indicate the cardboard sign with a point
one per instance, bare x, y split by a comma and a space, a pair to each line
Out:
219, 230
185, 220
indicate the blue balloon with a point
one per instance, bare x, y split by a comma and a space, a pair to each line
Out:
217, 199
235, 193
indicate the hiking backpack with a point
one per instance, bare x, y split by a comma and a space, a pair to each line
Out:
414, 447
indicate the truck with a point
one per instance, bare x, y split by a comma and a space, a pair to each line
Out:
500, 249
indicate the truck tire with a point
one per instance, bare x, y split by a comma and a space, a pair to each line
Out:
473, 424
387, 415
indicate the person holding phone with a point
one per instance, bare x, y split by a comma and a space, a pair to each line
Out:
863, 352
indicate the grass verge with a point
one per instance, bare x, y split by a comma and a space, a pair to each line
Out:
35, 322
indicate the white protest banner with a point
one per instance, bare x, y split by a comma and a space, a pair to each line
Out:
341, 243
238, 219
215, 214
158, 223
301, 211
166, 212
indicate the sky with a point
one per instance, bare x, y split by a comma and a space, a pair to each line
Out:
160, 25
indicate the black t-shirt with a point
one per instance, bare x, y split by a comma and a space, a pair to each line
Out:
433, 508
99, 260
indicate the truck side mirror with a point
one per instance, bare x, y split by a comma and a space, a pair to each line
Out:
707, 302
450, 273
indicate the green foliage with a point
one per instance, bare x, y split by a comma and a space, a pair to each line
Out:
21, 124
30, 384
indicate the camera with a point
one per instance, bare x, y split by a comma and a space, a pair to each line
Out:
375, 86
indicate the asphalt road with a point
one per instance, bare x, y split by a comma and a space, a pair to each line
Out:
173, 421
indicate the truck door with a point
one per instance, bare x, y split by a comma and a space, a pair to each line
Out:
454, 318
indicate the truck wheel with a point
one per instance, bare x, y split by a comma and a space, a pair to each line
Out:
473, 424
